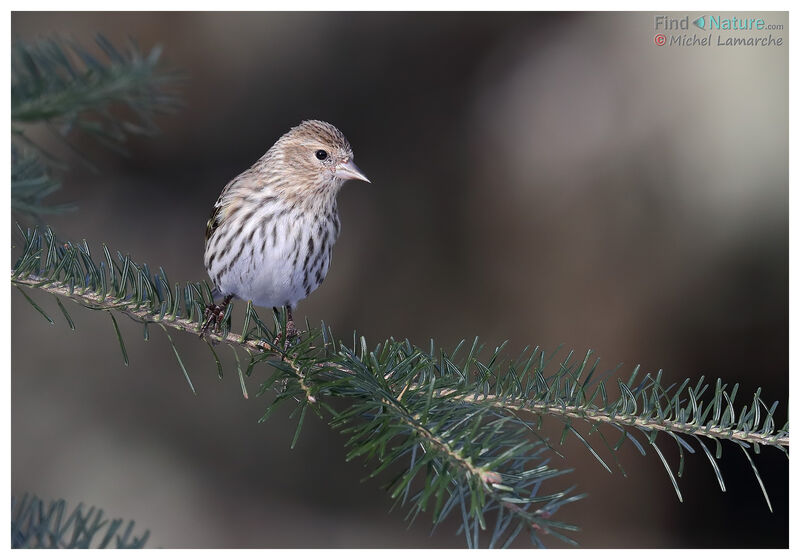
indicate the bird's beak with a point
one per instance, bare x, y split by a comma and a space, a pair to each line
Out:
348, 170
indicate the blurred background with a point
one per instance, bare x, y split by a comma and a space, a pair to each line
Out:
543, 178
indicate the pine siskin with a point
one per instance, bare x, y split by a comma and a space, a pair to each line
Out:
272, 230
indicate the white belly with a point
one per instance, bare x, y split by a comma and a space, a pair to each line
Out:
280, 274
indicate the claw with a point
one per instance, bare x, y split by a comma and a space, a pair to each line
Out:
287, 336
215, 314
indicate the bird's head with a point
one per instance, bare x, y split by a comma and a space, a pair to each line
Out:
317, 154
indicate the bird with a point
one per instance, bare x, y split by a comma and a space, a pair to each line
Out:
271, 233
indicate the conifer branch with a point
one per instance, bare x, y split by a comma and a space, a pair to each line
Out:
61, 86
455, 424
35, 526
589, 413
593, 414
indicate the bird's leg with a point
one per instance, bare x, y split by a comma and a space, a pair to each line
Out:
291, 330
215, 314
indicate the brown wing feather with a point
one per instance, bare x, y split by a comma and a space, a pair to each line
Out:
216, 214
213, 221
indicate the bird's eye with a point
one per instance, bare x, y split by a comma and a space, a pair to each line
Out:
321, 154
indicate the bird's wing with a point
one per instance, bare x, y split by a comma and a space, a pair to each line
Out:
214, 220
223, 202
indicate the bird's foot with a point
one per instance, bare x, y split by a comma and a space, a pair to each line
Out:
214, 314
284, 338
